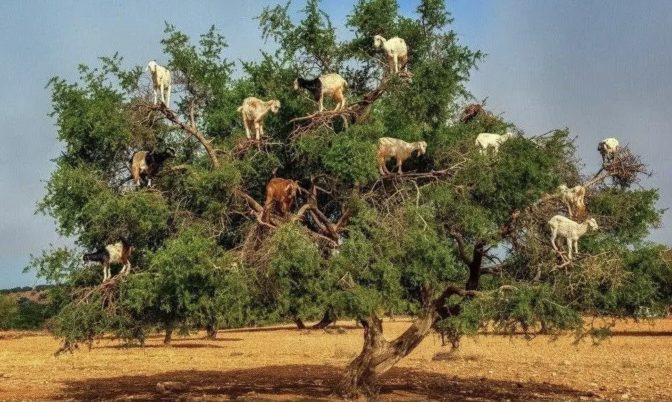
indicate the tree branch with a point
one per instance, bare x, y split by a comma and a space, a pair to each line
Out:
190, 128
258, 211
439, 303
250, 201
495, 269
461, 250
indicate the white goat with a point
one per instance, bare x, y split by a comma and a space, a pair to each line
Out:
573, 197
399, 149
161, 82
570, 230
253, 111
396, 49
488, 140
608, 148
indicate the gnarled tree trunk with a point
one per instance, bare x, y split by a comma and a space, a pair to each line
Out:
170, 326
299, 323
473, 283
379, 355
327, 319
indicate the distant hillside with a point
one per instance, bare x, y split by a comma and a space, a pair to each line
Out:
29, 292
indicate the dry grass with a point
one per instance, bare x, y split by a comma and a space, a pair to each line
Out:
283, 363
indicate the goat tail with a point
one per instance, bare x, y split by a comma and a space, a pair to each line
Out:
239, 109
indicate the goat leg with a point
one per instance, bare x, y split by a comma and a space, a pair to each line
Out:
553, 236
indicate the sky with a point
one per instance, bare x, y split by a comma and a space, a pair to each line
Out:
600, 68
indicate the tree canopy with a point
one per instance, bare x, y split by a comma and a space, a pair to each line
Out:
459, 241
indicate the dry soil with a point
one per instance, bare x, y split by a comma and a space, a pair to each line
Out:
283, 363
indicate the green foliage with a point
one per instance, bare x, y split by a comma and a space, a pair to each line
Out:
513, 179
207, 75
530, 307
640, 288
311, 42
294, 282
351, 159
30, 314
68, 191
55, 265
653, 262
256, 170
8, 312
205, 192
139, 216
426, 259
471, 318
83, 322
629, 215
90, 119
185, 280
203, 256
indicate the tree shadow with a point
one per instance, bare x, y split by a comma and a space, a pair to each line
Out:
287, 328
307, 382
156, 346
612, 333
18, 334
640, 333
218, 339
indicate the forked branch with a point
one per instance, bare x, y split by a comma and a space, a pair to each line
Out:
189, 127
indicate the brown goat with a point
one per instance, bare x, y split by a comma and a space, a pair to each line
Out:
282, 192
470, 112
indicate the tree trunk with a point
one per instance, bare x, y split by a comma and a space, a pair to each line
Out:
474, 281
169, 333
191, 129
211, 330
326, 320
299, 323
379, 355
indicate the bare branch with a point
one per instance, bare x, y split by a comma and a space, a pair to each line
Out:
190, 127
250, 201
461, 250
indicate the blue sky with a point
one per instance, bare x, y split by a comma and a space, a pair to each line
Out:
600, 68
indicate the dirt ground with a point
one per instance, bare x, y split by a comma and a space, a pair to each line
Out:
283, 363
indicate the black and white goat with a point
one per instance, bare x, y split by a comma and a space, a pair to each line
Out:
331, 85
145, 165
115, 253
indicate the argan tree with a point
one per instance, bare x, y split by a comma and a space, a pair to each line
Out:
460, 240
